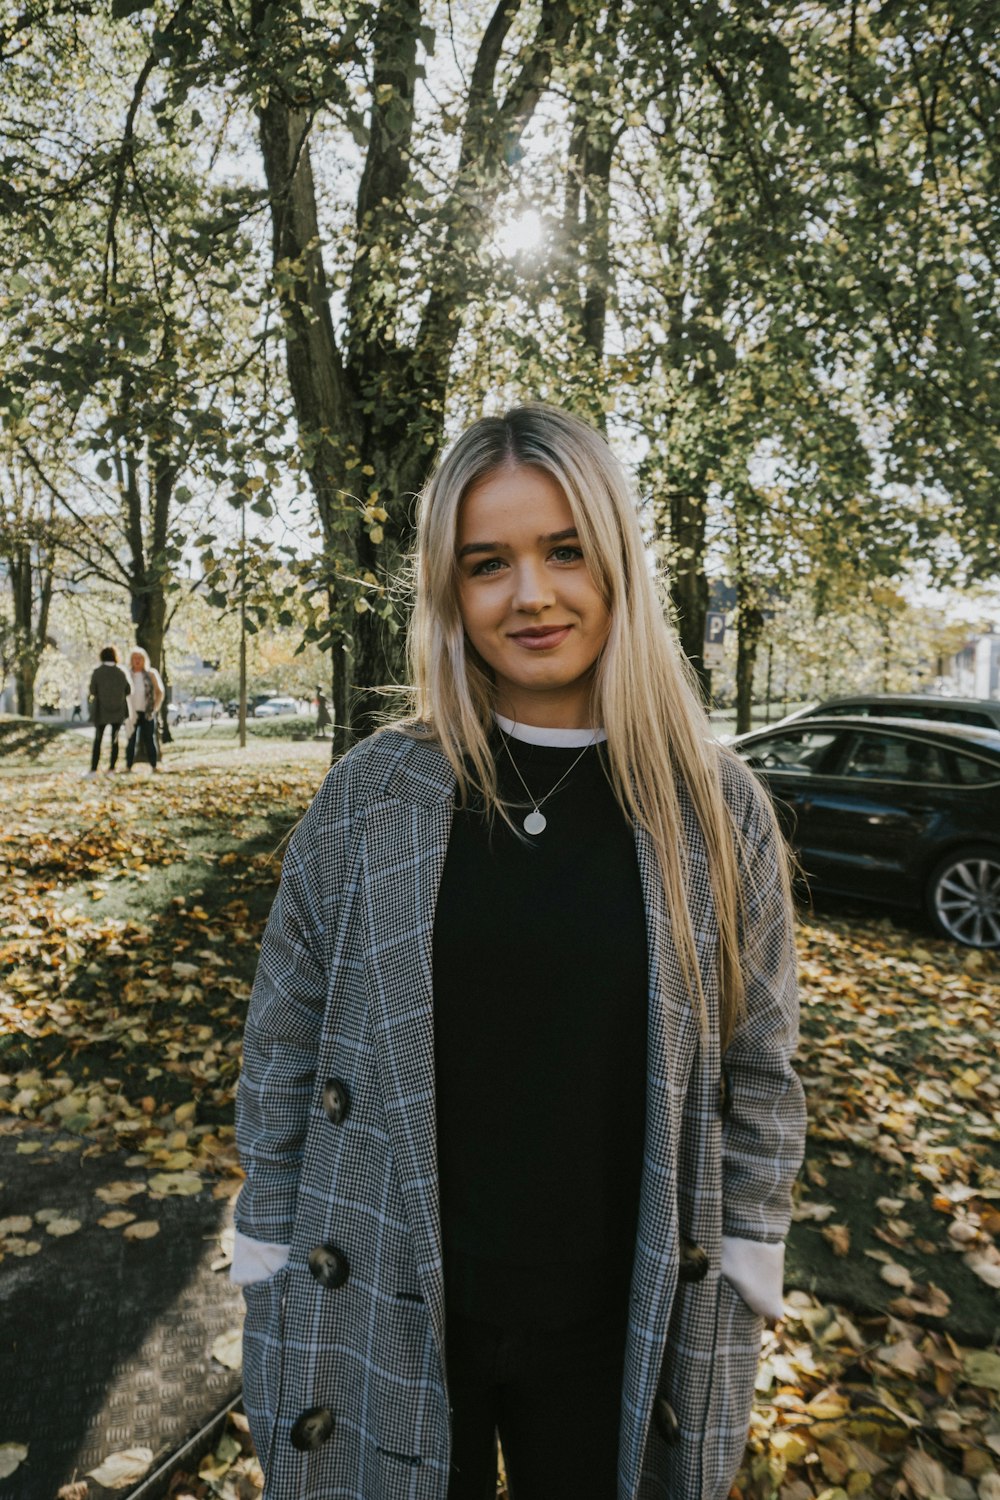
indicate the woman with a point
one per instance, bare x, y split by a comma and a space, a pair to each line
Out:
517, 1113
144, 704
110, 686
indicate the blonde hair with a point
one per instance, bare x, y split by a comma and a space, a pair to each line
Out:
139, 651
643, 693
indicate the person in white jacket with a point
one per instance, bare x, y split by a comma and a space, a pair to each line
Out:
144, 704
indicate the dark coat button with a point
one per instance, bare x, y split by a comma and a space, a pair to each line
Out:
336, 1100
725, 1096
329, 1267
693, 1264
666, 1421
312, 1429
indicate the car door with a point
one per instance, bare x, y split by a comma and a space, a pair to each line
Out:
876, 812
793, 762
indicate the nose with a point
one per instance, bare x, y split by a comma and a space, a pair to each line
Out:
533, 590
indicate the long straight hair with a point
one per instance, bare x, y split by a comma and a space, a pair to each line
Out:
643, 693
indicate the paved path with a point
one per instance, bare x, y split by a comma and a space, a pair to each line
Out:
105, 1342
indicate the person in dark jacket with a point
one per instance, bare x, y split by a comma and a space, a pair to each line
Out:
110, 686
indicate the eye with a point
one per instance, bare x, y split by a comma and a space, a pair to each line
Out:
567, 554
487, 567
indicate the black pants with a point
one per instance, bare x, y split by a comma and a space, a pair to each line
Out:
95, 754
553, 1396
145, 725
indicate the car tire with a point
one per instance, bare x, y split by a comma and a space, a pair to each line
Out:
963, 896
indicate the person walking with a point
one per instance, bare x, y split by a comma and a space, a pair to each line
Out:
517, 1111
144, 704
107, 700
323, 720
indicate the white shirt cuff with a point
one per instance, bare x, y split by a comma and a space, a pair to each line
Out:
253, 1260
756, 1270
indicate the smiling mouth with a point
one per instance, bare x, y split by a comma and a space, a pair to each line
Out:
549, 635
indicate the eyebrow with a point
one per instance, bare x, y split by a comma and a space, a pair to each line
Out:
551, 536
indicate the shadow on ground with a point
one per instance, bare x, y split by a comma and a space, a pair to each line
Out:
107, 1340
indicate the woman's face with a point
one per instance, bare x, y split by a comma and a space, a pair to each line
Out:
137, 662
527, 600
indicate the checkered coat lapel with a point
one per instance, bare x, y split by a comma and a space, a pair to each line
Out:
406, 839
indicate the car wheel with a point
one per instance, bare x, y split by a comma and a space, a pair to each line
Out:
963, 897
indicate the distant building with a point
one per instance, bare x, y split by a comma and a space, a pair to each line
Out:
974, 671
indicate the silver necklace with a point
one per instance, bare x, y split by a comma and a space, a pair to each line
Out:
536, 821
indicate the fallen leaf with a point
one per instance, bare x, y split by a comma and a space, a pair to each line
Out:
981, 1367
116, 1218
176, 1184
925, 1476
228, 1349
119, 1192
897, 1275
143, 1229
904, 1356
119, 1470
62, 1227
16, 1224
838, 1236
12, 1455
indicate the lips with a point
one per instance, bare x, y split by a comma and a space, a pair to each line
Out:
542, 638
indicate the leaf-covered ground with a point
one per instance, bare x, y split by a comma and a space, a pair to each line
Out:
130, 914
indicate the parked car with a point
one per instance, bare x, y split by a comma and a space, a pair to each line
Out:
204, 708
895, 810
272, 706
982, 711
175, 713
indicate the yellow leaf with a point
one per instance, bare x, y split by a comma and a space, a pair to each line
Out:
143, 1229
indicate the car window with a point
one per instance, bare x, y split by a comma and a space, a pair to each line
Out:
890, 757
970, 771
966, 716
802, 751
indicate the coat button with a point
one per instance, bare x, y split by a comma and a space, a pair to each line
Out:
336, 1100
725, 1096
329, 1267
666, 1421
312, 1429
693, 1263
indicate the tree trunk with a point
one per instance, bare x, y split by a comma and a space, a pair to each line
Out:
749, 628
31, 620
688, 584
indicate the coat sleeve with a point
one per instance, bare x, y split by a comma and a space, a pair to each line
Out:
763, 1135
284, 1021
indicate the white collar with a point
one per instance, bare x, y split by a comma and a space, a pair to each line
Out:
565, 739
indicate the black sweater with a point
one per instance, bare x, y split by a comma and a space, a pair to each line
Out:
540, 1000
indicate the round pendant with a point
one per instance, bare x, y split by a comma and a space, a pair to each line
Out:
534, 822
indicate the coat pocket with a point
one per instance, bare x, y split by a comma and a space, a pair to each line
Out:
702, 1409
738, 1332
263, 1354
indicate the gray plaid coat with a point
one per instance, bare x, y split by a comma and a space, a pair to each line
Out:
343, 1351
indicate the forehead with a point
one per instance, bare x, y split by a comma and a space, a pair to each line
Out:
516, 498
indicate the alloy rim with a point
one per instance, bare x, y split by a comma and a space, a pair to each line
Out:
967, 902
